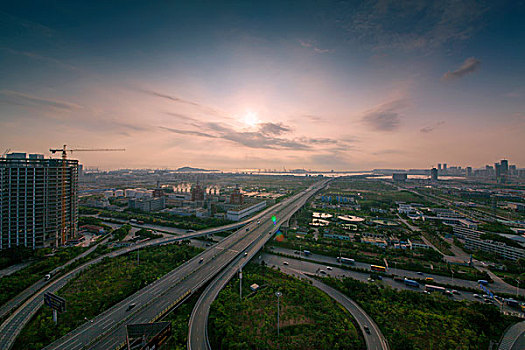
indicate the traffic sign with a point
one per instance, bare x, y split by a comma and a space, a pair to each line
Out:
55, 302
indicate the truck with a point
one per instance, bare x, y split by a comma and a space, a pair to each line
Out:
431, 288
411, 283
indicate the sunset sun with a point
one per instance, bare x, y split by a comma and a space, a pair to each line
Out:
250, 119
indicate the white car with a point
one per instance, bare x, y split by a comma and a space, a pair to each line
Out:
285, 262
329, 268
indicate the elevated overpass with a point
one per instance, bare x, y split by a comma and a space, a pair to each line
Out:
107, 331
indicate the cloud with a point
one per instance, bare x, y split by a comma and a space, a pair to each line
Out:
188, 132
310, 44
273, 128
431, 128
469, 66
409, 25
172, 98
39, 57
269, 136
180, 116
21, 99
385, 117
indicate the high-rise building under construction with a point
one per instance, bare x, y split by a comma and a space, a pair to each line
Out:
38, 201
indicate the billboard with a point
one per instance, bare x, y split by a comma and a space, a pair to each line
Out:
55, 302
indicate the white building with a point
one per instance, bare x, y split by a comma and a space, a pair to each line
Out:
244, 211
498, 248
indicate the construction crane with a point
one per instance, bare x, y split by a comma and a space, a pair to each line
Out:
64, 150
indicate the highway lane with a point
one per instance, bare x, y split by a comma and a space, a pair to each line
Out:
33, 296
514, 337
15, 302
107, 331
375, 340
496, 287
14, 268
198, 331
315, 267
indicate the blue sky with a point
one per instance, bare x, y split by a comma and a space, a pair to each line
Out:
321, 85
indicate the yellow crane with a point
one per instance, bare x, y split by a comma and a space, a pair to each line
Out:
64, 150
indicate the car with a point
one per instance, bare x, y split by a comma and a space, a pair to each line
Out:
201, 260
322, 272
258, 221
426, 292
208, 244
245, 254
131, 306
448, 292
285, 262
370, 279
329, 268
455, 292
48, 277
296, 252
477, 296
420, 273
367, 330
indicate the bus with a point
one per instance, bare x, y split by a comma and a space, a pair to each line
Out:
411, 283
346, 261
378, 268
431, 288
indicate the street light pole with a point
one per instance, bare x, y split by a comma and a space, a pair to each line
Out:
240, 283
278, 294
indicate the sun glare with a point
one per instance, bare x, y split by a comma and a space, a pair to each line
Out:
250, 119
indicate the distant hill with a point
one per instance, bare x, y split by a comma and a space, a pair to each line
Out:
190, 169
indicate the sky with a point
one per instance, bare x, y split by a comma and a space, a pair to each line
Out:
343, 85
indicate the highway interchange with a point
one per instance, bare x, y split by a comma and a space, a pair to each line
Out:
217, 264
107, 330
198, 335
27, 303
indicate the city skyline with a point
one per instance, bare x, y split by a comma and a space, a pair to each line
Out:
344, 87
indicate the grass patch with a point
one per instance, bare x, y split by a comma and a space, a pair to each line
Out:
309, 318
101, 287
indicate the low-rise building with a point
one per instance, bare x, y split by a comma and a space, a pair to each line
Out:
244, 211
417, 244
494, 247
147, 204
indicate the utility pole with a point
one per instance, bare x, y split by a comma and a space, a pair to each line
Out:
278, 294
240, 283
